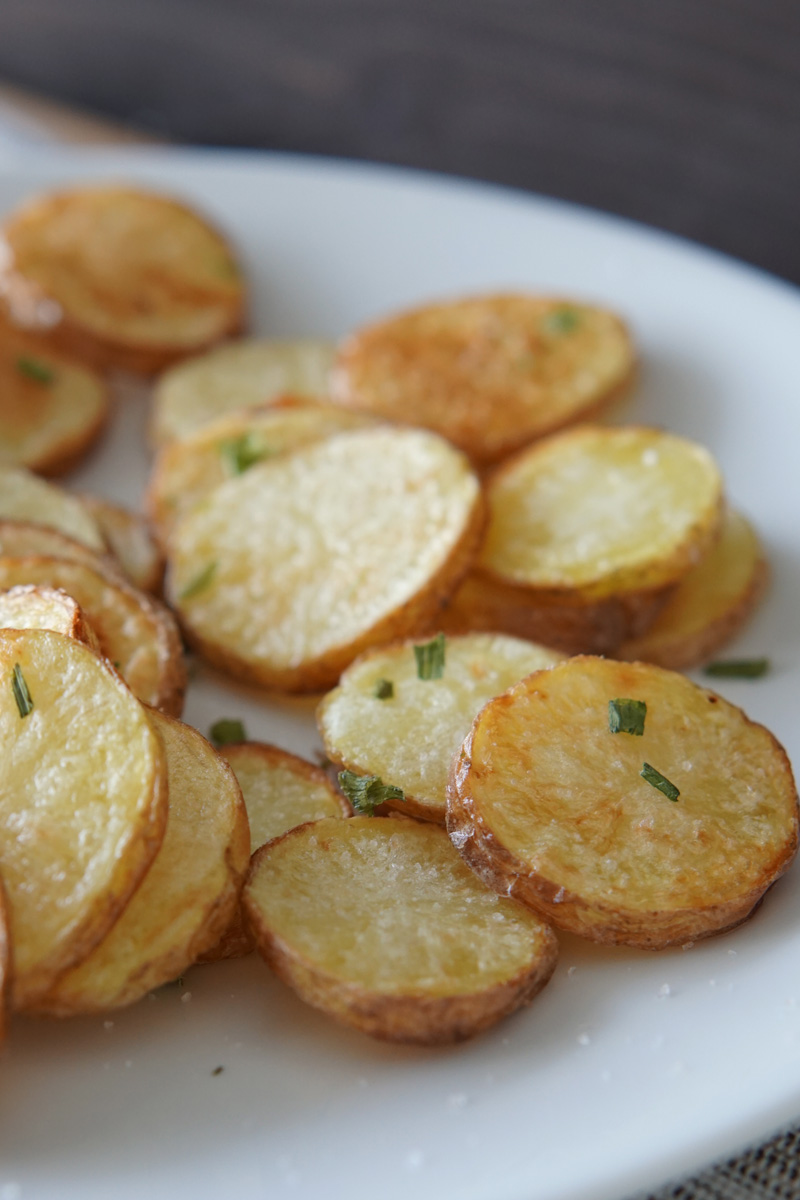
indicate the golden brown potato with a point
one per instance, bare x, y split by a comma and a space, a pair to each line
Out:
30, 607
22, 539
138, 635
52, 410
129, 540
645, 839
26, 497
378, 923
383, 719
710, 604
284, 574
187, 897
119, 277
83, 802
253, 371
490, 373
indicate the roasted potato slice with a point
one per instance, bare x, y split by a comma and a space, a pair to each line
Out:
21, 539
187, 470
644, 839
490, 373
710, 604
30, 607
254, 371
129, 540
51, 410
187, 897
384, 719
285, 574
83, 801
26, 497
138, 635
119, 277
378, 923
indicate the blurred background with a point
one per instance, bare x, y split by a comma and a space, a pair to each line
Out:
681, 113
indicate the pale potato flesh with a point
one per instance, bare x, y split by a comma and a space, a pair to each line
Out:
130, 542
82, 803
26, 497
409, 739
30, 607
550, 805
244, 373
187, 896
597, 511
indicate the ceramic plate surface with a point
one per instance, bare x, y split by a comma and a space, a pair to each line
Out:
630, 1067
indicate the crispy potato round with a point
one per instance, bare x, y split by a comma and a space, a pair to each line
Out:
83, 802
384, 720
21, 539
26, 497
710, 604
187, 470
119, 277
490, 373
378, 923
250, 372
51, 410
547, 804
129, 540
285, 574
138, 635
30, 607
187, 897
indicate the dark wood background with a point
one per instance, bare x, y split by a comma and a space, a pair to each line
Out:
681, 113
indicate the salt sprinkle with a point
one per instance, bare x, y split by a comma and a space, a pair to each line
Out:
571, 971
733, 953
186, 997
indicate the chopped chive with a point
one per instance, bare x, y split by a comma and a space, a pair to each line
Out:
227, 731
659, 781
561, 320
20, 689
199, 583
738, 668
366, 792
35, 368
430, 658
217, 1070
384, 689
239, 454
626, 716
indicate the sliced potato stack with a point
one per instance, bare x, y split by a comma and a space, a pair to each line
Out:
378, 923
589, 532
283, 575
254, 371
401, 712
83, 802
187, 897
623, 803
119, 277
490, 373
129, 540
51, 409
30, 607
26, 497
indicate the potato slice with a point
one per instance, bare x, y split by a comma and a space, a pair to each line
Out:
286, 573
280, 791
378, 923
550, 806
710, 605
26, 497
187, 897
384, 720
119, 277
129, 539
51, 410
138, 635
30, 607
490, 373
21, 539
254, 371
187, 470
83, 802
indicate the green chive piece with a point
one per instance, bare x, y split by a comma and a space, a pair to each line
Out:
20, 689
199, 583
430, 658
366, 792
659, 781
35, 368
384, 689
227, 731
217, 1070
561, 320
626, 716
738, 668
239, 454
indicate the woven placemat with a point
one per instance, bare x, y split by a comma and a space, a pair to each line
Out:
768, 1172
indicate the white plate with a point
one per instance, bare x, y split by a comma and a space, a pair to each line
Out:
630, 1068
